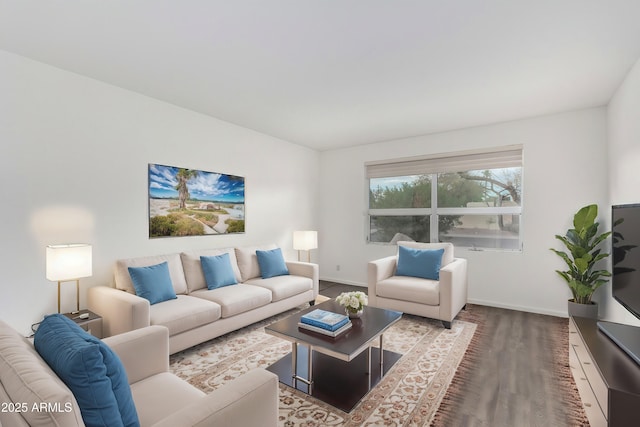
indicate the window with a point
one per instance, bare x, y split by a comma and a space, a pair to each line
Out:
471, 199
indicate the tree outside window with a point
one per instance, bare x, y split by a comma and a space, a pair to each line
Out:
474, 208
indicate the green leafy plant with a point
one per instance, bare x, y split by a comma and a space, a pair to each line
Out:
581, 242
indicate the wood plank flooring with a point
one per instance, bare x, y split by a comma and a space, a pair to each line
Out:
516, 378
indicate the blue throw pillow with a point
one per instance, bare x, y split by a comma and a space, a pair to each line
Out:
90, 369
271, 263
424, 263
218, 271
153, 282
119, 384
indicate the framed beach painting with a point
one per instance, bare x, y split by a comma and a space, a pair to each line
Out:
190, 202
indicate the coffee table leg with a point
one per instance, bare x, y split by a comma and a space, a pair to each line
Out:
294, 367
310, 370
369, 366
294, 363
381, 361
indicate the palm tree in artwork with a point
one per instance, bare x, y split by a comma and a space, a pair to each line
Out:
183, 176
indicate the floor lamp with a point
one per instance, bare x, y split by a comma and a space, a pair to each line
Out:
67, 263
305, 241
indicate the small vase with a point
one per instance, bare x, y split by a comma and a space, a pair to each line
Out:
354, 314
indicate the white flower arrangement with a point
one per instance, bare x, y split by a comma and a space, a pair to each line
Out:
352, 301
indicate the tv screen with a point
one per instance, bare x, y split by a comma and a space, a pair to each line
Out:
625, 283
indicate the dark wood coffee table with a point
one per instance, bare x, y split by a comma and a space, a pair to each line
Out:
339, 371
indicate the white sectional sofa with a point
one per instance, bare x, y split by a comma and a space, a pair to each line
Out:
199, 314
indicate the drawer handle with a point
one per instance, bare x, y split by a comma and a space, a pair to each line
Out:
583, 379
588, 405
587, 363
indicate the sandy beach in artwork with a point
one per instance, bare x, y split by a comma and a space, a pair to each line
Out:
163, 207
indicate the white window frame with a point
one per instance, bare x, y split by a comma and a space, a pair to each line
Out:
494, 158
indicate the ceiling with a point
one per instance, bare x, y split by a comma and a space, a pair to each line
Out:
335, 73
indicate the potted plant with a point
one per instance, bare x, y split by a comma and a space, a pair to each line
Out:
582, 277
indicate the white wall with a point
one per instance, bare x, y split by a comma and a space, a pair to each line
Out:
74, 155
73, 168
565, 169
624, 162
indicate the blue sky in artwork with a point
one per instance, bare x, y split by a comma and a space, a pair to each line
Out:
207, 186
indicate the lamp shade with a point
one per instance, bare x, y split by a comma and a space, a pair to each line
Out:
68, 262
305, 240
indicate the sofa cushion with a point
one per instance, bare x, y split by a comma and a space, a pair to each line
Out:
424, 263
27, 379
248, 260
123, 279
236, 299
447, 257
153, 282
90, 369
283, 287
271, 263
217, 271
193, 267
184, 313
161, 395
405, 288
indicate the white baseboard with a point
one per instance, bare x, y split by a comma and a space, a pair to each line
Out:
518, 308
471, 301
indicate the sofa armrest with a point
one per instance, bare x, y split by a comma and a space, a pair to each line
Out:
143, 352
250, 400
306, 269
453, 288
121, 311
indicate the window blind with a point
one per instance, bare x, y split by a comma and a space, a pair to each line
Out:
495, 158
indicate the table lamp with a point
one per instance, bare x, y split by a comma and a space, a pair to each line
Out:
305, 241
67, 263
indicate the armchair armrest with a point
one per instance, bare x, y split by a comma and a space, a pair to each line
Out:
143, 352
121, 311
250, 400
378, 270
381, 269
453, 288
306, 269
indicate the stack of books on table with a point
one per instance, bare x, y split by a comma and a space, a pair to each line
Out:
325, 322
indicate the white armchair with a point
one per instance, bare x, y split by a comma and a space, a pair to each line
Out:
438, 299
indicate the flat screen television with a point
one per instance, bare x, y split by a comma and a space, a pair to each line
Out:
625, 239
625, 279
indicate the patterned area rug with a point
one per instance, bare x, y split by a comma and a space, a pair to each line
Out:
408, 395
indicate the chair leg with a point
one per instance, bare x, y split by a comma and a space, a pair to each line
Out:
447, 325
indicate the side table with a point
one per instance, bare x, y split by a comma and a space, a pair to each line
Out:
87, 320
